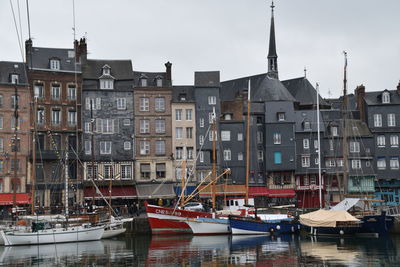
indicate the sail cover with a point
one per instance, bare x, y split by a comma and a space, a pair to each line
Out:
326, 218
346, 204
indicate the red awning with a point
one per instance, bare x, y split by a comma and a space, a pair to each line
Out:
21, 199
258, 191
127, 192
281, 193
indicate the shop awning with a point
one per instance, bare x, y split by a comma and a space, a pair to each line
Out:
21, 199
125, 192
189, 190
258, 191
281, 192
149, 191
222, 190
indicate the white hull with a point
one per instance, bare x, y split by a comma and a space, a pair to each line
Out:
236, 231
110, 233
50, 236
207, 226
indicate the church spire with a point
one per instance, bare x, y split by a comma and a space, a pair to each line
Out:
272, 56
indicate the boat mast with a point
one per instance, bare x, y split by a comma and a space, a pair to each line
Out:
246, 201
183, 181
15, 147
66, 183
319, 151
214, 159
33, 200
344, 118
92, 137
110, 189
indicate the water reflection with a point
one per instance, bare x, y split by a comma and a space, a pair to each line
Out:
285, 250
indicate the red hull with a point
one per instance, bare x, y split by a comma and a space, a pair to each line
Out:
169, 221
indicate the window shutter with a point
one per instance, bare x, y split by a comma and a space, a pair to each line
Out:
98, 126
116, 126
87, 103
98, 103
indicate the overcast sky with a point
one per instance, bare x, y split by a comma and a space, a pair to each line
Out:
226, 35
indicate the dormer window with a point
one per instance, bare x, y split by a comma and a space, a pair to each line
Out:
143, 82
385, 97
106, 84
306, 126
334, 130
55, 64
106, 70
281, 116
228, 116
182, 97
159, 82
14, 78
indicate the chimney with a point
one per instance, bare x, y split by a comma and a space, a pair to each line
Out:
82, 51
168, 66
28, 52
398, 88
360, 94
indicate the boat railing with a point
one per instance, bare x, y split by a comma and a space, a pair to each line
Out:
392, 210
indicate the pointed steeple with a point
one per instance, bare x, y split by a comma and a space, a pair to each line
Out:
272, 56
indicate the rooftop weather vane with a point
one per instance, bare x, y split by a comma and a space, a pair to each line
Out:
272, 6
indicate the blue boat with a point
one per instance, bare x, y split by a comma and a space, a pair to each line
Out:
255, 226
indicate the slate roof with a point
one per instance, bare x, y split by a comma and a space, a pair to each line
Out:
263, 88
207, 79
308, 115
7, 68
337, 103
303, 91
375, 98
120, 69
41, 58
356, 127
188, 91
151, 78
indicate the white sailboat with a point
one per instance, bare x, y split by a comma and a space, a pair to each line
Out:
45, 233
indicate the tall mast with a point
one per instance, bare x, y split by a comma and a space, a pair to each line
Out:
183, 180
344, 118
319, 151
33, 200
246, 201
110, 189
214, 159
15, 147
92, 137
66, 183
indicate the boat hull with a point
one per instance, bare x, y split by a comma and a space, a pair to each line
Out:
50, 236
209, 226
251, 226
110, 233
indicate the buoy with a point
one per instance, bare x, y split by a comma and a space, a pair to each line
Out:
278, 227
341, 232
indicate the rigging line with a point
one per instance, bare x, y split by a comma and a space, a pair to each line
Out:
29, 21
20, 25
16, 28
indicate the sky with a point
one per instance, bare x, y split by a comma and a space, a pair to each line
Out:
230, 36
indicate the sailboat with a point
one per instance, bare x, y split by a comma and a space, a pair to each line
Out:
45, 233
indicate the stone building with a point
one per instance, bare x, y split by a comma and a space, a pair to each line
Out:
55, 82
14, 138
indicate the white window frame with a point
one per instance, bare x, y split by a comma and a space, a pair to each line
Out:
356, 164
88, 127
354, 147
189, 113
127, 145
126, 171
394, 163
38, 91
305, 161
56, 120
306, 143
225, 135
385, 97
212, 100
54, 64
394, 141
201, 156
88, 147
281, 116
178, 114
56, 91
211, 136
334, 131
106, 84
227, 154
71, 92
178, 132
201, 123
189, 132
381, 141
107, 126
159, 104
277, 138
144, 147
144, 126
160, 126
381, 163
179, 153
201, 140
14, 78
121, 103
391, 119
377, 120
240, 136
72, 117
126, 122
240, 156
160, 147
190, 152
144, 104
105, 147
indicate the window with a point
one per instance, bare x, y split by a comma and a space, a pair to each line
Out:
330, 163
277, 157
1, 100
1, 144
108, 172
306, 180
126, 122
201, 122
189, 152
260, 155
55, 92
159, 104
381, 163
377, 120
38, 91
240, 156
212, 100
277, 138
356, 164
93, 103
178, 173
178, 114
281, 116
160, 126
160, 147
15, 146
71, 93
1, 166
394, 141
211, 136
72, 117
144, 126
14, 123
121, 103
106, 84
380, 140
15, 165
391, 120
14, 78
334, 130
189, 132
105, 147
340, 162
394, 163
145, 170
385, 97
1, 122
127, 145
259, 137
227, 154
354, 147
160, 170
178, 132
330, 144
306, 143
316, 144
201, 156
144, 147
307, 126
143, 82
14, 101
126, 172
201, 140
88, 147
56, 117
226, 135
144, 104
188, 114
182, 97
107, 126
316, 161
179, 152
54, 64
159, 82
210, 117
55, 142
240, 137
305, 161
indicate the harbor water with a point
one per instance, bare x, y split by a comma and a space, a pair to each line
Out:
186, 250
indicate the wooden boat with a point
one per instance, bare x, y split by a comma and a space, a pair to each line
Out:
256, 226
